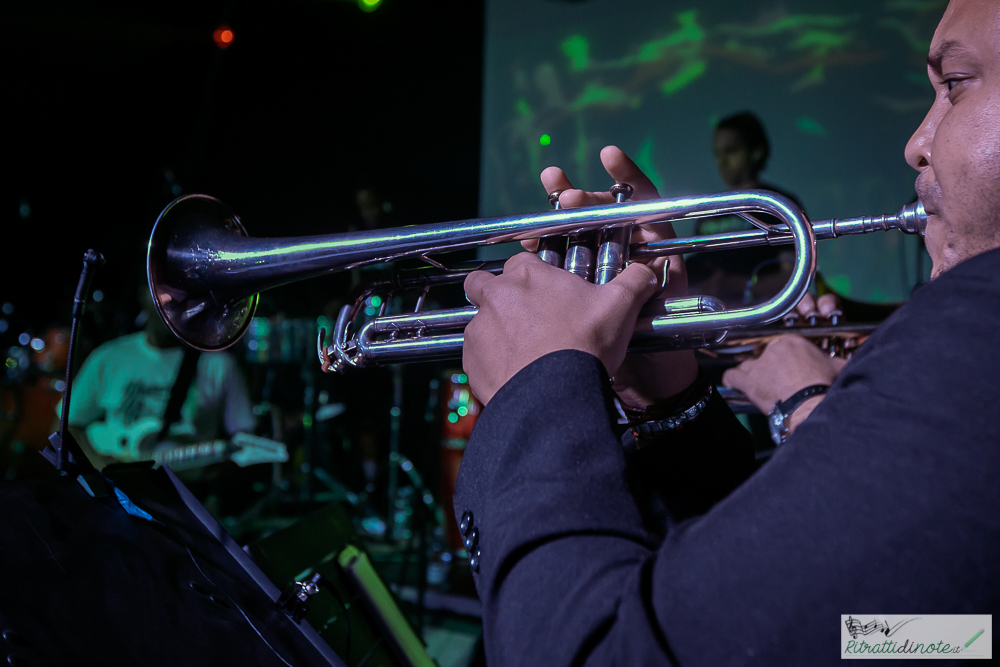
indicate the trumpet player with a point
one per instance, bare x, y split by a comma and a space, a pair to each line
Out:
883, 499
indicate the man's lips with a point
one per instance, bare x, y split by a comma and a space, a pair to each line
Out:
930, 206
925, 192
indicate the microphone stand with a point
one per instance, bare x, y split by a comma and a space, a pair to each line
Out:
63, 451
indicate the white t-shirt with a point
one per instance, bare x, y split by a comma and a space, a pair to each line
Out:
127, 381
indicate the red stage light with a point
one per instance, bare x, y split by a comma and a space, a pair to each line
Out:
223, 37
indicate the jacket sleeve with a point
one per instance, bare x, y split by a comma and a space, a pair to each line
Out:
883, 501
680, 474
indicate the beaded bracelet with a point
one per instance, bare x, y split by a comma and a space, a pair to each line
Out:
670, 416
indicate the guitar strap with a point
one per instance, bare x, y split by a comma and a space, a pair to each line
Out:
185, 376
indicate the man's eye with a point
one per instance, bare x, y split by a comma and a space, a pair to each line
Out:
954, 88
955, 82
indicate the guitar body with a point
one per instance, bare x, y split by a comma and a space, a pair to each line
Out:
125, 443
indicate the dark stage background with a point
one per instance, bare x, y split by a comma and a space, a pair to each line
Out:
312, 100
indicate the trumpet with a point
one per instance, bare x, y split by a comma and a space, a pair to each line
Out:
205, 272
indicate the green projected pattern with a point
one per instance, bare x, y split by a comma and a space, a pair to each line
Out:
839, 85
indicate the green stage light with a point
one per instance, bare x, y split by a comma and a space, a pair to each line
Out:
545, 140
369, 5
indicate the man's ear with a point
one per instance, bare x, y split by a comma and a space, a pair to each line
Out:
756, 157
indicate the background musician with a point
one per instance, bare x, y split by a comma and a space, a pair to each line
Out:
885, 498
746, 275
121, 392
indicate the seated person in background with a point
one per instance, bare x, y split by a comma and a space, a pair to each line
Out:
121, 392
883, 500
748, 275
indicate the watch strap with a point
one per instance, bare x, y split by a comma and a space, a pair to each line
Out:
778, 417
788, 405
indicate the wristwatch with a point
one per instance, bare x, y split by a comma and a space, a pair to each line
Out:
777, 418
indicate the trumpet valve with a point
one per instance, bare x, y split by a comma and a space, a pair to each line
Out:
580, 255
612, 250
552, 249
612, 253
622, 192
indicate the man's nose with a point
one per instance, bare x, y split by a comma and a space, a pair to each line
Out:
918, 148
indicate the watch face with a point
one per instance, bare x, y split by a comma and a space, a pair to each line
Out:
776, 425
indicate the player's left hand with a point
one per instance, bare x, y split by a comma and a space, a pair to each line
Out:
788, 364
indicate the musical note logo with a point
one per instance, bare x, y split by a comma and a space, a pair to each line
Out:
855, 627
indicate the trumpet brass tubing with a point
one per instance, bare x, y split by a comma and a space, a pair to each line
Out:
449, 346
253, 264
429, 348
911, 219
860, 329
668, 329
682, 323
205, 271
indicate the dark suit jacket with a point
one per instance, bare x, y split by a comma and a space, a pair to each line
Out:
886, 501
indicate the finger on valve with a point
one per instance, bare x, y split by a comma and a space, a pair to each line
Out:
806, 305
828, 304
475, 283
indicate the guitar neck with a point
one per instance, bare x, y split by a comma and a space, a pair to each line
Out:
193, 456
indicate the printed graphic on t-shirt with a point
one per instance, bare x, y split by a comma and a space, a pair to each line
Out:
140, 400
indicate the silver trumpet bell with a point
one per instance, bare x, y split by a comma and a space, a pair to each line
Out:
205, 272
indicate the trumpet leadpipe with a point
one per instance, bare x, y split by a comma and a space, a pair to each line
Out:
911, 219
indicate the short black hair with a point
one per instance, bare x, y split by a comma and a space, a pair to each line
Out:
752, 131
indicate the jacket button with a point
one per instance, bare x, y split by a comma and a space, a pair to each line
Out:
466, 522
474, 561
471, 539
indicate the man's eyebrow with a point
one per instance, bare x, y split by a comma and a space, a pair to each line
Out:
944, 49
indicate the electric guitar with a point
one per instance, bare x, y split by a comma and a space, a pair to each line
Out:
137, 442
